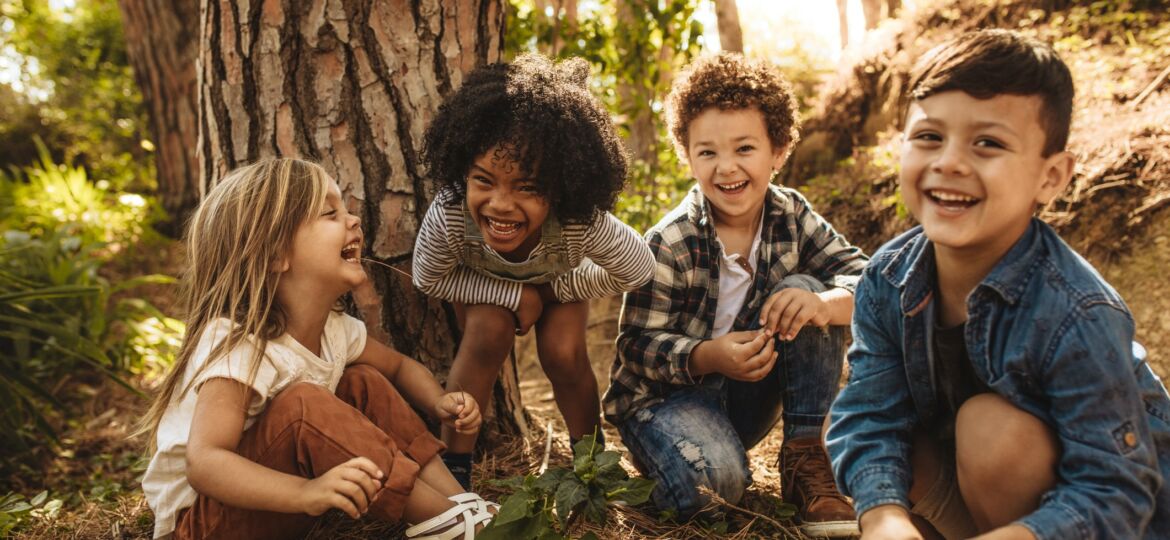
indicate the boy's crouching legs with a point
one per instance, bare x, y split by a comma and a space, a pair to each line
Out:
683, 444
1005, 460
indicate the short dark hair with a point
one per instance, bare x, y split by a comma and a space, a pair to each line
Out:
729, 81
987, 63
542, 116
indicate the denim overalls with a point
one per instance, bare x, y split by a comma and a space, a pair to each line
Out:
542, 266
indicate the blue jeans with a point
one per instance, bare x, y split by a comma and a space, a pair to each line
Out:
699, 436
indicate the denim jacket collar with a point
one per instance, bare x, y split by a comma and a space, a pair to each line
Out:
912, 270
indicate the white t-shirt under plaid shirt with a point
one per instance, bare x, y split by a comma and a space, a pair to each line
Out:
285, 361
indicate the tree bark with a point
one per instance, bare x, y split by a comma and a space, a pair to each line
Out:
162, 44
843, 21
730, 31
351, 84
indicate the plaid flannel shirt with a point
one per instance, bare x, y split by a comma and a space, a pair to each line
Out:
663, 321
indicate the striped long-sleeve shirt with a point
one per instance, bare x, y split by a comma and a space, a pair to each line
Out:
606, 257
663, 321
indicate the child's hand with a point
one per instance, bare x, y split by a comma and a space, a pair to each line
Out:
460, 411
787, 311
744, 356
531, 307
348, 487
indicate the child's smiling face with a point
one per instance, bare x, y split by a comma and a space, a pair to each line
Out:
326, 250
505, 203
973, 170
732, 157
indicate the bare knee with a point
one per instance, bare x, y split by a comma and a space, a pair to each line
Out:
488, 329
997, 442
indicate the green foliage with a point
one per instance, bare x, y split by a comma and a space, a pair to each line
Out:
546, 506
15, 509
76, 90
59, 315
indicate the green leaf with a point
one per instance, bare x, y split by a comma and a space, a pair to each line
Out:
497, 531
551, 479
633, 491
595, 506
570, 493
516, 506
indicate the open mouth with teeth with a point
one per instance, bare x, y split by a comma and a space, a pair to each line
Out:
503, 229
951, 200
734, 187
352, 252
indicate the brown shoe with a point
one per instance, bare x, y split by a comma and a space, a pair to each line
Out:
807, 482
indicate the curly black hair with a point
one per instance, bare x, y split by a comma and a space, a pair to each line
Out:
544, 118
729, 81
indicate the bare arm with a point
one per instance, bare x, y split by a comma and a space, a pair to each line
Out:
418, 386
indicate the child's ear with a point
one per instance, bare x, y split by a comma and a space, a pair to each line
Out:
1058, 171
280, 265
779, 156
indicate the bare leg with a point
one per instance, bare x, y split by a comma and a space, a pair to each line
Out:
560, 343
488, 333
924, 460
1006, 460
436, 475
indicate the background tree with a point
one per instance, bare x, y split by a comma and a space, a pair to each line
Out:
352, 84
730, 31
162, 45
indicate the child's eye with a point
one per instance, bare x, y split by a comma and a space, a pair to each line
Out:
745, 148
706, 153
329, 213
986, 142
926, 136
481, 180
528, 188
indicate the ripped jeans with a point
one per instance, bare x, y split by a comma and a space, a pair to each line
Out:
699, 436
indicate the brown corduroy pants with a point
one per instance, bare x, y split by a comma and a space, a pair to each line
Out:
305, 430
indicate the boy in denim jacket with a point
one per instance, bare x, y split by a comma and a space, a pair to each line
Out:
995, 388
745, 314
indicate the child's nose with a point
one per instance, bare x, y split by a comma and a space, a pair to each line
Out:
951, 161
354, 221
502, 202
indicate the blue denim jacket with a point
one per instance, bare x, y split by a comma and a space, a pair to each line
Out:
1046, 332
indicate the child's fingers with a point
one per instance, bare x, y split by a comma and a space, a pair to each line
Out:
764, 369
788, 320
784, 304
766, 309
343, 503
365, 465
363, 481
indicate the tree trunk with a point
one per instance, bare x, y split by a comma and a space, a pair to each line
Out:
843, 21
562, 22
351, 84
873, 13
730, 31
162, 44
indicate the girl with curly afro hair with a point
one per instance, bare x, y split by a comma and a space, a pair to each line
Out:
527, 166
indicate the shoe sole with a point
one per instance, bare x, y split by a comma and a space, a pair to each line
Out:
830, 529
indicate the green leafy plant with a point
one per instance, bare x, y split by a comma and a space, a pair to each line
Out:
60, 317
15, 509
547, 506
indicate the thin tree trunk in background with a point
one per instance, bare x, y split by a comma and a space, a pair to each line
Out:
873, 13
636, 103
351, 84
560, 16
162, 43
843, 21
892, 8
730, 31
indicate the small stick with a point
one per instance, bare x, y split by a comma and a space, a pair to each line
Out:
388, 266
547, 448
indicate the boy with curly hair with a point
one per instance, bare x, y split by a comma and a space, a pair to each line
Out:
528, 165
995, 388
745, 314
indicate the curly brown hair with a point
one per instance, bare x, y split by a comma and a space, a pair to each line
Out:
540, 115
729, 81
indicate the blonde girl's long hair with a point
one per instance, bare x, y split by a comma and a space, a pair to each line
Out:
239, 232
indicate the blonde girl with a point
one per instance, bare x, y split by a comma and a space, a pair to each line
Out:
279, 407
